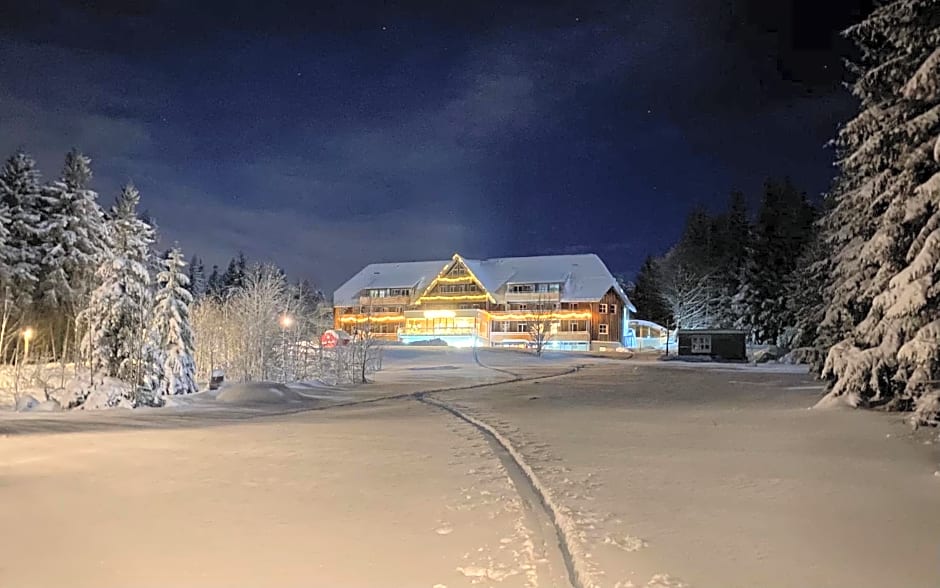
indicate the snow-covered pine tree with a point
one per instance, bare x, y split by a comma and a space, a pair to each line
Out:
171, 327
647, 294
74, 243
118, 314
19, 191
804, 300
235, 275
886, 218
6, 251
197, 278
784, 226
214, 283
7, 258
745, 303
734, 232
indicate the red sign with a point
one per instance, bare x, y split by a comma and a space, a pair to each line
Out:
329, 339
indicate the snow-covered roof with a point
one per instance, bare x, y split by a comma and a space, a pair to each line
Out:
584, 277
408, 274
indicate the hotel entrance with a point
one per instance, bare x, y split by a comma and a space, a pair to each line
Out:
458, 328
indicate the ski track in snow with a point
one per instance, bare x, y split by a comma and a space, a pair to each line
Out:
578, 529
575, 558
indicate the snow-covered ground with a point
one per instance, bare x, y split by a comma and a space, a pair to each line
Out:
655, 476
723, 477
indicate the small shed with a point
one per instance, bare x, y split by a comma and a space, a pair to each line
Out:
726, 344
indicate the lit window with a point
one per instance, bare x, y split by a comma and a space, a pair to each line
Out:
602, 308
602, 329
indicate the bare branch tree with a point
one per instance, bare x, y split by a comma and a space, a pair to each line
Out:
540, 327
687, 295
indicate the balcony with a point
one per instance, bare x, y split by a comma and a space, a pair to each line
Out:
516, 297
500, 336
367, 301
437, 331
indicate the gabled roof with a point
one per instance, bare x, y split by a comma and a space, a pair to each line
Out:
584, 277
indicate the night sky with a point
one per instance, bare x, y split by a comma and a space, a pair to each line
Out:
324, 137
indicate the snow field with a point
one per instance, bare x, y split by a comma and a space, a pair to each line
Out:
374, 495
679, 477
658, 478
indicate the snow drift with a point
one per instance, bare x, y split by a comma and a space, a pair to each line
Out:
258, 393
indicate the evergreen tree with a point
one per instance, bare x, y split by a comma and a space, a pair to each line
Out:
214, 286
884, 226
171, 328
233, 279
734, 235
784, 227
804, 298
7, 252
647, 294
117, 316
692, 266
304, 297
197, 278
74, 238
19, 192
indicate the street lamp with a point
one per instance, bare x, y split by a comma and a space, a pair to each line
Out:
27, 336
286, 321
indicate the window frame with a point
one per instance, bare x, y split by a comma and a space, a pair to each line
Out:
700, 344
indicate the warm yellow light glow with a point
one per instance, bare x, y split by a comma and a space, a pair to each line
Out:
28, 333
372, 319
460, 297
286, 321
545, 316
446, 280
442, 277
433, 314
496, 316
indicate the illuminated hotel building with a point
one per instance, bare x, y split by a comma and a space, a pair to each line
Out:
465, 302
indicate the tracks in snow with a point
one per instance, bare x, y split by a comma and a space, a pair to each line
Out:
541, 511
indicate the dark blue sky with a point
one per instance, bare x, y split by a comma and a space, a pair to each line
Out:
326, 136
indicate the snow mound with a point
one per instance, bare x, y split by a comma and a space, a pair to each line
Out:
51, 405
801, 355
26, 403
258, 393
766, 354
111, 393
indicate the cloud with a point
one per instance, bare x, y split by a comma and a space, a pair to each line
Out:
326, 250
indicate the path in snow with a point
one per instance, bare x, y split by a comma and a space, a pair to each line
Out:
557, 568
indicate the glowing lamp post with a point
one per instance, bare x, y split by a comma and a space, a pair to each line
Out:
27, 337
286, 321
